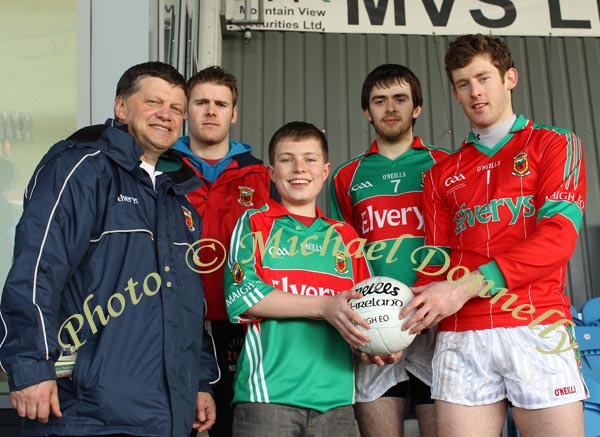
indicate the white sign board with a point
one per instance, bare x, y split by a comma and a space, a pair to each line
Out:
421, 17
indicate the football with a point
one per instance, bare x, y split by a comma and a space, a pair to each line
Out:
383, 299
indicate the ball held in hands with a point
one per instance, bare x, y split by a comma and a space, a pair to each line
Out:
383, 299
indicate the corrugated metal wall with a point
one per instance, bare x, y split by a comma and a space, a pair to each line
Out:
287, 76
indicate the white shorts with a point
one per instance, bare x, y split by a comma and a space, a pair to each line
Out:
419, 355
372, 381
486, 366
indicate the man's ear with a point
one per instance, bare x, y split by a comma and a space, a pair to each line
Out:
455, 94
417, 112
234, 115
511, 78
120, 107
368, 115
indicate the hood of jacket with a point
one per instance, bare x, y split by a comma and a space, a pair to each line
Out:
211, 172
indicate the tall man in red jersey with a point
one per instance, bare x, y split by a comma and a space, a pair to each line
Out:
379, 192
507, 208
234, 181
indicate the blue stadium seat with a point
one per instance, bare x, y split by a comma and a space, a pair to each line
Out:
590, 312
588, 338
591, 415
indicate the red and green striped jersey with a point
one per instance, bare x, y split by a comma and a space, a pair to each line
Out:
299, 362
382, 199
514, 212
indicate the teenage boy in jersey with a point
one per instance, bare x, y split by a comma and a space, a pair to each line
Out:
234, 181
507, 206
386, 181
286, 283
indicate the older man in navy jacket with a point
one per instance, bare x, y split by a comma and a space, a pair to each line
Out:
103, 267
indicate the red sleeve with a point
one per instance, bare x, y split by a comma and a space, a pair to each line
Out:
560, 205
340, 202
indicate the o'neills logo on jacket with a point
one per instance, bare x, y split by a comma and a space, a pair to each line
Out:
246, 196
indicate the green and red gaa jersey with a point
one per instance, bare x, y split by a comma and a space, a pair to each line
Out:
382, 199
514, 212
299, 362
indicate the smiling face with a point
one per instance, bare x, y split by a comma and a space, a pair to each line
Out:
391, 111
299, 171
483, 93
154, 115
211, 113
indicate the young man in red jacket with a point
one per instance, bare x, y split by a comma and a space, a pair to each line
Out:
234, 181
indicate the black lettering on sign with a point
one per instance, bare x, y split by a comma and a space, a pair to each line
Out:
510, 14
438, 18
557, 22
377, 13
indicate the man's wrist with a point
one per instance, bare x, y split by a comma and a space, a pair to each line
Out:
474, 285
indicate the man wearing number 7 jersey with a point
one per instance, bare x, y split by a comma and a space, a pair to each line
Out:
379, 192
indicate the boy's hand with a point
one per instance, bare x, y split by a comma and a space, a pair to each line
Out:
338, 313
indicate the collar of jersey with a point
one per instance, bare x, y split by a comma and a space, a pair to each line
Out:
519, 124
276, 209
416, 144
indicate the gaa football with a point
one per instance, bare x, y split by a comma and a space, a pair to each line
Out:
383, 299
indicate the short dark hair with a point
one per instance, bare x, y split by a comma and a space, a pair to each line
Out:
463, 49
130, 80
387, 75
298, 131
216, 75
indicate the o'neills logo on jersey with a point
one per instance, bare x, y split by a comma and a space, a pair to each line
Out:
341, 262
246, 196
372, 219
189, 219
521, 165
237, 273
303, 289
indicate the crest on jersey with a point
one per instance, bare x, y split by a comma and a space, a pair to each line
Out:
521, 165
246, 196
422, 178
238, 273
341, 262
189, 219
